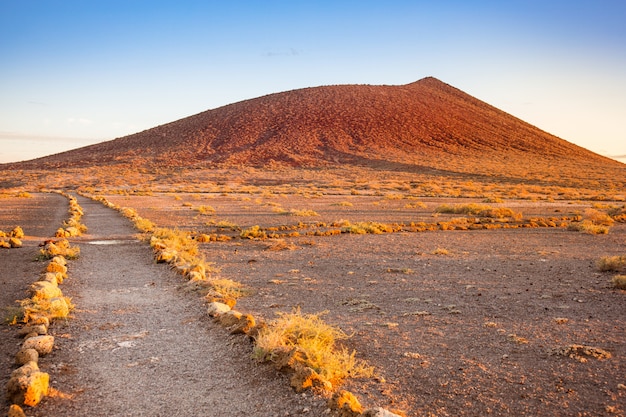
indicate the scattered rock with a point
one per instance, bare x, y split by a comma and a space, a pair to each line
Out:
59, 260
216, 309
305, 378
39, 329
17, 232
42, 344
245, 324
582, 352
379, 412
346, 403
44, 290
54, 277
166, 256
16, 411
213, 295
39, 320
59, 308
15, 242
55, 267
25, 356
229, 318
254, 331
27, 385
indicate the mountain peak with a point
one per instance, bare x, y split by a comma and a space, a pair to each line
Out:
427, 123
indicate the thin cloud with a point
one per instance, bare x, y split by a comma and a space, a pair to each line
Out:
291, 52
41, 138
79, 120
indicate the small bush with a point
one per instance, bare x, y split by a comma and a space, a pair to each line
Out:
229, 288
481, 210
598, 218
612, 263
225, 224
254, 232
587, 226
316, 339
143, 225
362, 228
205, 210
302, 213
417, 204
618, 214
619, 281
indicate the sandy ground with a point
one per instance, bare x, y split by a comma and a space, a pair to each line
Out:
137, 346
471, 332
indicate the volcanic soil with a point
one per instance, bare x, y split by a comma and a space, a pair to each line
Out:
455, 322
459, 322
135, 346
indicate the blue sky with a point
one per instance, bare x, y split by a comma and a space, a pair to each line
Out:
73, 73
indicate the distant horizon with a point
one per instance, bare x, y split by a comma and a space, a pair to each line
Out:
77, 73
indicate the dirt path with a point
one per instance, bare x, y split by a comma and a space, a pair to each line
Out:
137, 346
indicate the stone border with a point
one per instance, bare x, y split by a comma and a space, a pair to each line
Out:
28, 385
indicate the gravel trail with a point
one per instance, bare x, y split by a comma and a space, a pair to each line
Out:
139, 346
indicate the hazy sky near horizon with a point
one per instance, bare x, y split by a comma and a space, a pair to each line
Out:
73, 73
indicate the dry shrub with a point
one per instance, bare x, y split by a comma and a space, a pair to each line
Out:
316, 340
143, 225
612, 263
619, 281
440, 251
281, 244
417, 204
205, 210
225, 224
302, 213
229, 288
175, 240
362, 228
618, 213
481, 210
343, 204
587, 226
254, 232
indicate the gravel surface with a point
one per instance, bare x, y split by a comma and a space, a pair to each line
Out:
138, 346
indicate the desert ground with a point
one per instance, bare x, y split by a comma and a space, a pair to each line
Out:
455, 321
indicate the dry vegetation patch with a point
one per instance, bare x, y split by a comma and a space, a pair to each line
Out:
308, 340
485, 283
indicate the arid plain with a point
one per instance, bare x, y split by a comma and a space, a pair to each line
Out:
468, 267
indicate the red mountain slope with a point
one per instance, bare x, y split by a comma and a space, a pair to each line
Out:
426, 123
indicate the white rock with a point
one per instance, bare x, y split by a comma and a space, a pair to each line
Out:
216, 309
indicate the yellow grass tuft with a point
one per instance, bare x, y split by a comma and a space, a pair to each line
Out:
316, 340
612, 263
619, 281
362, 228
254, 232
481, 210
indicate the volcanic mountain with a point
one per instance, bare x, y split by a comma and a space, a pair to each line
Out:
427, 124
